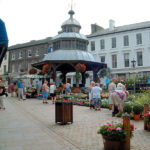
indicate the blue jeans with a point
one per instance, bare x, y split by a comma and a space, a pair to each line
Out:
97, 101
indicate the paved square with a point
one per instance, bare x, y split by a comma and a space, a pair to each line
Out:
30, 125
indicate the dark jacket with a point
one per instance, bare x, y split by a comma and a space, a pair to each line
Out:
4, 91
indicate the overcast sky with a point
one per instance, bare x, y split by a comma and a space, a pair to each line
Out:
28, 20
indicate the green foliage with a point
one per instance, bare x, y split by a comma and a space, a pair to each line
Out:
142, 98
104, 73
130, 98
129, 83
84, 96
127, 108
119, 114
137, 108
78, 76
104, 104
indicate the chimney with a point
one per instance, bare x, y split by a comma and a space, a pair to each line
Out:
111, 25
95, 28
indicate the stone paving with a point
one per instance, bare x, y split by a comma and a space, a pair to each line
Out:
30, 125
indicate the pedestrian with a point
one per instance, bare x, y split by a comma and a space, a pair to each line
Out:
12, 89
96, 95
24, 90
20, 90
68, 88
16, 89
90, 93
38, 87
45, 90
118, 97
53, 92
111, 89
2, 93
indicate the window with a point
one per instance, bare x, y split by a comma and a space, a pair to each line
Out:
114, 61
13, 68
113, 40
77, 45
138, 38
139, 59
102, 59
5, 69
126, 40
12, 56
37, 52
29, 53
102, 44
126, 60
5, 57
92, 46
20, 55
19, 67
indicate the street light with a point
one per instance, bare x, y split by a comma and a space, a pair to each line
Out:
133, 65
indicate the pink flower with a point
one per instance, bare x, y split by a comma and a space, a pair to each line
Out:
118, 129
136, 127
110, 124
110, 128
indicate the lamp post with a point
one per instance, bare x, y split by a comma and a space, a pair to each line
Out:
133, 65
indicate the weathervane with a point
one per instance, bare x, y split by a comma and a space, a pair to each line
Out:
71, 4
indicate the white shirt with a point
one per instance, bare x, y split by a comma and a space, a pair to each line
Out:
96, 91
52, 88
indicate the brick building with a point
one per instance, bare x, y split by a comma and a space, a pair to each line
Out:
21, 56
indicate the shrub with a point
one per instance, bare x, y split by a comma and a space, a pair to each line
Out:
142, 99
127, 108
137, 108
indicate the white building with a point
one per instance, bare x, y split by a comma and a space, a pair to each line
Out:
4, 65
118, 46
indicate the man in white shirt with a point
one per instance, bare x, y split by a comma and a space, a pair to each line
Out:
96, 95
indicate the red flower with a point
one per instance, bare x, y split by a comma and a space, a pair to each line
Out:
46, 68
80, 67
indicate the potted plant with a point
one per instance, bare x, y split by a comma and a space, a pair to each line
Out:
114, 135
137, 110
146, 117
127, 108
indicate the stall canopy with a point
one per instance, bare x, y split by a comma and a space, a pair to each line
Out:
3, 41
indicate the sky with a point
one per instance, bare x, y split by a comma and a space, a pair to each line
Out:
28, 20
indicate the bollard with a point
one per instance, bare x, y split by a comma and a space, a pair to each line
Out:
126, 124
146, 108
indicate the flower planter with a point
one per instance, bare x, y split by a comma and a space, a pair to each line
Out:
148, 126
113, 145
136, 117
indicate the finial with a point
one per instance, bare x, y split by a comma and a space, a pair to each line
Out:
71, 4
71, 12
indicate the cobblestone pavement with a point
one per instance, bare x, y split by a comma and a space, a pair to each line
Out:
30, 125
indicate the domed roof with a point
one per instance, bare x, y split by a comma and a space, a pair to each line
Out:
70, 55
70, 35
71, 20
